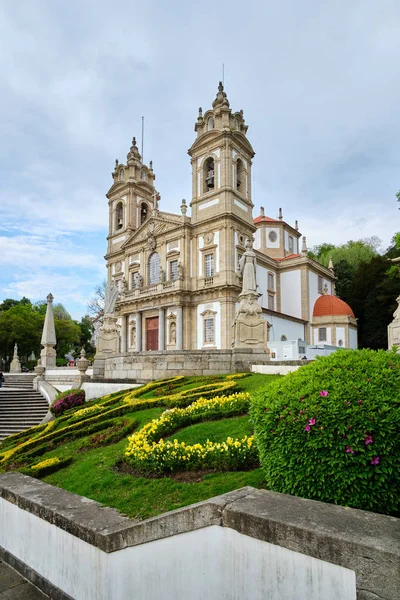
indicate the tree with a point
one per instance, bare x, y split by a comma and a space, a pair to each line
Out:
22, 325
398, 197
9, 303
86, 327
96, 304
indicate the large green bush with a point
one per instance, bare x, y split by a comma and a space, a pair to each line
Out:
330, 431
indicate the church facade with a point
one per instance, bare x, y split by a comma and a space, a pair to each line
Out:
179, 275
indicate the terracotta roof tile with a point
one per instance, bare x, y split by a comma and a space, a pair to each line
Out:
288, 257
328, 305
268, 219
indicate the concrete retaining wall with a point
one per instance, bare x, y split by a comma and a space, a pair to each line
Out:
245, 545
147, 366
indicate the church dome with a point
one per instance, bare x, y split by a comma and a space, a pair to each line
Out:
328, 305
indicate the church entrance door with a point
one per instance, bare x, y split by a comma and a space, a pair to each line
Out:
152, 333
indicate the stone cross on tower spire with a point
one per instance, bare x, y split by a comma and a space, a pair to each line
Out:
48, 341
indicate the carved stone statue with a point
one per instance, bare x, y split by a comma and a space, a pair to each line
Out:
133, 335
172, 333
247, 268
250, 329
180, 270
394, 328
162, 275
110, 298
139, 282
15, 366
124, 285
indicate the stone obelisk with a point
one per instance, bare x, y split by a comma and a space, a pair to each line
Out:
48, 354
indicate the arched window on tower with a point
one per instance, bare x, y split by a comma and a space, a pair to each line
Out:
143, 212
121, 175
240, 176
143, 175
154, 268
210, 123
209, 174
119, 216
235, 124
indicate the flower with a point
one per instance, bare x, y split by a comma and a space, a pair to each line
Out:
360, 402
368, 440
311, 422
349, 450
323, 393
307, 428
375, 460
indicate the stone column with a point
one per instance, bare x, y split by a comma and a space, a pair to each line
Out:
161, 329
124, 347
139, 332
179, 328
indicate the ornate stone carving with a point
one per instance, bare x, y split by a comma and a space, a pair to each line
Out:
250, 329
110, 298
394, 328
15, 366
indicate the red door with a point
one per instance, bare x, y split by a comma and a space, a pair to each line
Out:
152, 333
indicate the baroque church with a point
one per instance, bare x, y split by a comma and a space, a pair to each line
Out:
179, 277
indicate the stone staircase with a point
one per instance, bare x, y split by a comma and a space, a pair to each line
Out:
20, 406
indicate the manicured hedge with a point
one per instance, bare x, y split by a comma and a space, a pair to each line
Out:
330, 431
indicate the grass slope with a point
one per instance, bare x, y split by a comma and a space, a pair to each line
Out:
93, 472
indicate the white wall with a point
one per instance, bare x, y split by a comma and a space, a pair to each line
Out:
213, 562
257, 239
281, 326
262, 281
313, 289
291, 293
340, 335
277, 242
353, 343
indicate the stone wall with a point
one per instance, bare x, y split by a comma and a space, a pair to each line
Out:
245, 545
147, 366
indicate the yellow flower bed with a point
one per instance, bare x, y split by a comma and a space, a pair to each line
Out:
90, 410
46, 463
148, 452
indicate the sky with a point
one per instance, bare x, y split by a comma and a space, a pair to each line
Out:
319, 84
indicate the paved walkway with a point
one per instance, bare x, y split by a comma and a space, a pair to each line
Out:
15, 587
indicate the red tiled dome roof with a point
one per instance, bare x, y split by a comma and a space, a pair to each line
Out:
327, 305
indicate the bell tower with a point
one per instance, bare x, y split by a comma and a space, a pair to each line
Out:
131, 198
221, 164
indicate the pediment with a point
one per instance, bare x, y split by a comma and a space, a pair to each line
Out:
150, 231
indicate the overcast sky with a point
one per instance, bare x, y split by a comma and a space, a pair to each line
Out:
319, 85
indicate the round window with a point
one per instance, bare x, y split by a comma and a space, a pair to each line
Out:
272, 236
241, 239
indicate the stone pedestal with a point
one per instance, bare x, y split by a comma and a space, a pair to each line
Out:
251, 330
15, 366
394, 329
39, 370
82, 364
107, 344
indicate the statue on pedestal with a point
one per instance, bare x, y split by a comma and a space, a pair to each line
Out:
251, 330
108, 339
394, 328
15, 366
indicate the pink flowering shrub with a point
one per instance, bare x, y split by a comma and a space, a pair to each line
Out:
66, 400
331, 430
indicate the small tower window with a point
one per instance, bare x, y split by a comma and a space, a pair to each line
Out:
235, 124
143, 213
240, 176
209, 174
210, 123
121, 175
119, 216
143, 175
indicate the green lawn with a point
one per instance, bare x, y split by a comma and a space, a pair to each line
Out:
94, 473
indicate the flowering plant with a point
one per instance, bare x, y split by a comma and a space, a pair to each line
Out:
148, 452
67, 400
330, 431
